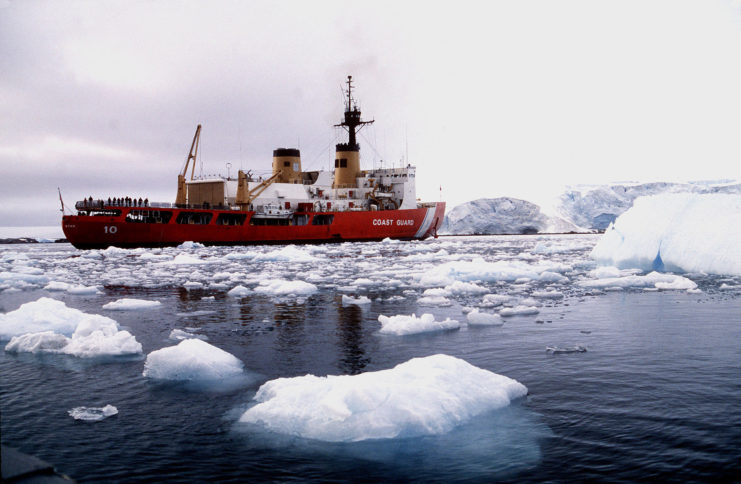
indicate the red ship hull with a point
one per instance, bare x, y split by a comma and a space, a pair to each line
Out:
126, 227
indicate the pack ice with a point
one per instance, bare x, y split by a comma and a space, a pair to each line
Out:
423, 396
49, 326
681, 232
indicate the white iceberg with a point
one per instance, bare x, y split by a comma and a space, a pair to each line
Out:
359, 301
191, 360
239, 291
128, 304
475, 318
424, 396
519, 310
681, 232
280, 287
402, 324
49, 326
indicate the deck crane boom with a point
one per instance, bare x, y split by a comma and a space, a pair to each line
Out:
181, 198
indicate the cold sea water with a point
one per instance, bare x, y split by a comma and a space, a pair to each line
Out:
655, 396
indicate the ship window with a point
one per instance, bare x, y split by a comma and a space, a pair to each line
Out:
295, 166
337, 163
300, 219
194, 218
343, 162
268, 221
149, 216
286, 163
231, 218
322, 219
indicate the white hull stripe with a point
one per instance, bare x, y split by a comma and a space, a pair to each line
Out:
429, 216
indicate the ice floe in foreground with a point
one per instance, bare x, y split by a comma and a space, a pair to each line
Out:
49, 326
92, 414
424, 396
402, 324
280, 287
652, 280
191, 360
131, 305
676, 232
475, 318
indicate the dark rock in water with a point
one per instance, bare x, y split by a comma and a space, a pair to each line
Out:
19, 240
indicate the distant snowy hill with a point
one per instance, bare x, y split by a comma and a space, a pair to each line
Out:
581, 208
501, 216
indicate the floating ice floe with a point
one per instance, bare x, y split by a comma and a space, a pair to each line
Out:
49, 326
405, 325
239, 291
280, 287
190, 245
191, 360
424, 396
129, 304
72, 288
191, 285
22, 280
359, 301
493, 300
566, 349
289, 253
92, 414
519, 311
680, 232
653, 279
179, 335
548, 294
480, 270
476, 318
434, 297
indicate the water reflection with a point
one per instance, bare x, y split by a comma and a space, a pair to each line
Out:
350, 331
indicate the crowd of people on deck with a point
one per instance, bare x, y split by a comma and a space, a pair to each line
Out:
118, 202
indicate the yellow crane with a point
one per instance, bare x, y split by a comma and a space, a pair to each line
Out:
181, 198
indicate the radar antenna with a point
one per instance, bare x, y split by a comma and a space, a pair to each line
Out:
352, 121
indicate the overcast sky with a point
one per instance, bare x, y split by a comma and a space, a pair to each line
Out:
487, 99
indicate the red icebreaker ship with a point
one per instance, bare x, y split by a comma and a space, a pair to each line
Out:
291, 206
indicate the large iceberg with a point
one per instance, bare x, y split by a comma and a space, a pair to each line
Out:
678, 233
424, 396
501, 216
597, 206
49, 326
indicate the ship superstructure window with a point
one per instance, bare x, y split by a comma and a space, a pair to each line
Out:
302, 219
268, 221
149, 216
340, 163
286, 163
322, 219
231, 219
194, 218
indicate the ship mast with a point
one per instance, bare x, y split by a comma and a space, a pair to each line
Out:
352, 121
